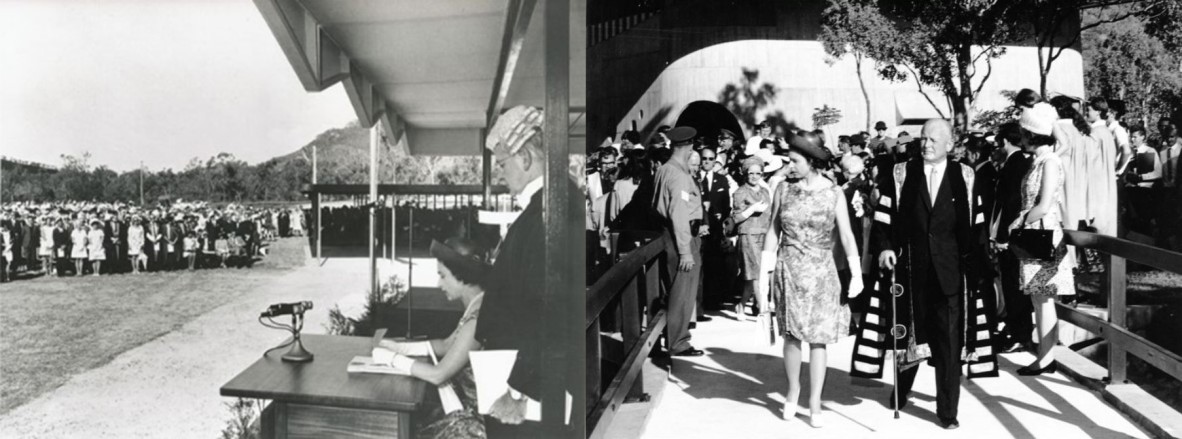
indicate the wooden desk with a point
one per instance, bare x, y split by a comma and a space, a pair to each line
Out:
321, 399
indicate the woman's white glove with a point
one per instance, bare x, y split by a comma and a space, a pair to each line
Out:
411, 348
856, 285
754, 209
767, 260
402, 362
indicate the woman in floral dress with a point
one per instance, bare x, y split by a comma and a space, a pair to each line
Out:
1042, 208
462, 275
808, 217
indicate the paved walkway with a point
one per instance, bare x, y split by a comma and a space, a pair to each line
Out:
169, 386
737, 390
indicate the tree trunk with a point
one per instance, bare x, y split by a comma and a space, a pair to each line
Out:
963, 100
862, 84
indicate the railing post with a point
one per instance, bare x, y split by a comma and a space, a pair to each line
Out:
1117, 308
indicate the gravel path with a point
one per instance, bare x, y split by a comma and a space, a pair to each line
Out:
169, 387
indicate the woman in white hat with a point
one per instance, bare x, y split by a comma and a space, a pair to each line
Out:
1042, 208
94, 242
78, 249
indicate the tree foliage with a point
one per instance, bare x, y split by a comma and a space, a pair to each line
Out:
342, 156
939, 44
1133, 62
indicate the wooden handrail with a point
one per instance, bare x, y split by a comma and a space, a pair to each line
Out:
1133, 251
604, 290
1113, 288
620, 290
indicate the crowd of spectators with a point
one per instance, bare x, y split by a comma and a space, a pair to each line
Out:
76, 238
1120, 181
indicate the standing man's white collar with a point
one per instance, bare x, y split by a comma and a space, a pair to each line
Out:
940, 165
527, 193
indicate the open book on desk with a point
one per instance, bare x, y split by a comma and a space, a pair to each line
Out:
491, 371
361, 364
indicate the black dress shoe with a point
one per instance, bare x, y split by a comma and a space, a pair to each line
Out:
693, 325
949, 424
1032, 371
690, 352
705, 318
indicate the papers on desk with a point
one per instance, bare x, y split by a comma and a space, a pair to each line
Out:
491, 371
360, 364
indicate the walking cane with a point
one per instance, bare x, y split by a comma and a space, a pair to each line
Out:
897, 331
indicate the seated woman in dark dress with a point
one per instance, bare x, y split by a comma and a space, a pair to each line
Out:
461, 277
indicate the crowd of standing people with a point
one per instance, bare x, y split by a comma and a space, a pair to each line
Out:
84, 238
808, 231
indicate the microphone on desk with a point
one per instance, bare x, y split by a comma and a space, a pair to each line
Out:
297, 353
282, 309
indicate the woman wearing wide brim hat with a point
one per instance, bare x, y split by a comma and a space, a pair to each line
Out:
805, 284
462, 275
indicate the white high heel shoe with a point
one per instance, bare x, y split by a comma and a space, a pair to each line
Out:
816, 419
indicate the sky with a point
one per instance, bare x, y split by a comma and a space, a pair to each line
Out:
158, 81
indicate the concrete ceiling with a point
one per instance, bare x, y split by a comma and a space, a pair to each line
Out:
427, 70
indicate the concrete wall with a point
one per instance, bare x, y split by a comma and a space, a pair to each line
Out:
805, 81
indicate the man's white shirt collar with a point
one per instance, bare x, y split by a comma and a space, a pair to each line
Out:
527, 193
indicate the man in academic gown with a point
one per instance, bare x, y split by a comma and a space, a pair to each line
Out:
513, 301
929, 227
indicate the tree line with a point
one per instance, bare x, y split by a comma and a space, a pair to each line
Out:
342, 158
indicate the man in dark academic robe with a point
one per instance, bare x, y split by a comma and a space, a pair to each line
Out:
514, 297
929, 223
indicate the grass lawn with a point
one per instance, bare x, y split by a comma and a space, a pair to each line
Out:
54, 328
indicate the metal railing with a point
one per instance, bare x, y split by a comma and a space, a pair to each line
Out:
624, 290
1113, 288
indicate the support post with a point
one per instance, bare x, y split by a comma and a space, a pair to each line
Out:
1117, 308
374, 138
316, 202
560, 309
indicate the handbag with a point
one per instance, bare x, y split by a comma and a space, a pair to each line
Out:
1033, 243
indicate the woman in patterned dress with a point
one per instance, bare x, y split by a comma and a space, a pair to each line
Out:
462, 274
808, 216
1042, 208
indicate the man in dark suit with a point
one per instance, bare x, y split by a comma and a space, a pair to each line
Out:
716, 199
1004, 209
115, 230
515, 294
61, 244
929, 223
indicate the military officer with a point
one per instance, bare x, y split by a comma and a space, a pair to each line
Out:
678, 202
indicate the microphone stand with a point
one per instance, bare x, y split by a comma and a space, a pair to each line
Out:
297, 353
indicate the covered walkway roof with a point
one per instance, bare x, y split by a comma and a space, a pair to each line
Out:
434, 73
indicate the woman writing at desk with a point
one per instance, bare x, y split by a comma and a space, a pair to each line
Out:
461, 276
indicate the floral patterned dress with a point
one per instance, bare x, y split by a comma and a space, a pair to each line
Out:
461, 424
1039, 277
805, 284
